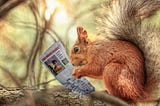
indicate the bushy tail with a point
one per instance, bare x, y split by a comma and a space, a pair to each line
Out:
122, 20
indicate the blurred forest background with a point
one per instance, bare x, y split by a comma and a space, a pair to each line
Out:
27, 30
29, 27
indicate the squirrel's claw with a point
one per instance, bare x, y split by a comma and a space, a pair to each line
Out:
76, 74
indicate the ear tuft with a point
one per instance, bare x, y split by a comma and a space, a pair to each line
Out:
82, 34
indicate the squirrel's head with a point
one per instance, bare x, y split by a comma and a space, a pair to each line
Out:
79, 49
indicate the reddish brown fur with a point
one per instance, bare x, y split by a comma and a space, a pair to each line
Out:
118, 63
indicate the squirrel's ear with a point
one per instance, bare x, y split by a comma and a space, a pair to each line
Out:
82, 34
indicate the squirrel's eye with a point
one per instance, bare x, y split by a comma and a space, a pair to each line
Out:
76, 49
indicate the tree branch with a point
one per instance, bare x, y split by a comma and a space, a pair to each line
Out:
6, 7
34, 51
103, 96
60, 96
45, 83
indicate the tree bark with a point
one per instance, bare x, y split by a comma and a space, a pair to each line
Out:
57, 96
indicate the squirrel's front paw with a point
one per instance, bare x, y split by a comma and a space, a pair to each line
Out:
77, 73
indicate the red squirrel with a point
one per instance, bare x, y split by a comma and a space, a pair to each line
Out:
129, 62
118, 63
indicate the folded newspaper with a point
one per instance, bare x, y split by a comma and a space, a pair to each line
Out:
57, 61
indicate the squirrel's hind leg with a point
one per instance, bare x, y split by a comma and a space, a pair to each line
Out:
121, 82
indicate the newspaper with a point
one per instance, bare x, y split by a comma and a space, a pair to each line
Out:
57, 61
